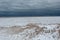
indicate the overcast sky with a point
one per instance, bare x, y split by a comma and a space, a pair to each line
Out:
10, 5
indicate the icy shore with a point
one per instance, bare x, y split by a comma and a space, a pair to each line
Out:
30, 28
31, 31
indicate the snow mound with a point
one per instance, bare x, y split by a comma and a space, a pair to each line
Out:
31, 31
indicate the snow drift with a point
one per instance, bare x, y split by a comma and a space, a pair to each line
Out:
31, 31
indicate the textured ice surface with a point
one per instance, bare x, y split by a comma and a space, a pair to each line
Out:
31, 31
30, 28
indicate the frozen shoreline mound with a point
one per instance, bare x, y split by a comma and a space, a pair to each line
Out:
31, 31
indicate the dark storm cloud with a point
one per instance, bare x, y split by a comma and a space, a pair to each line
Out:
33, 7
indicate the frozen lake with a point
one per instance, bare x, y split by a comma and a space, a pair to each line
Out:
10, 21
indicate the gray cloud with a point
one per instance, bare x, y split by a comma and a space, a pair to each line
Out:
11, 5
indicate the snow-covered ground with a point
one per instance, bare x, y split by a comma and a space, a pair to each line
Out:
9, 21
30, 28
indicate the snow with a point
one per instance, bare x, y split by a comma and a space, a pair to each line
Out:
49, 31
11, 21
